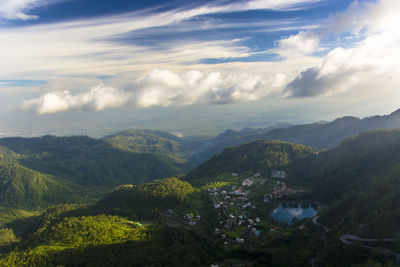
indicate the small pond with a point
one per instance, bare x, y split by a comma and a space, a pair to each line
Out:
287, 212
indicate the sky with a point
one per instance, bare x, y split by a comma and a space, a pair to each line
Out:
194, 65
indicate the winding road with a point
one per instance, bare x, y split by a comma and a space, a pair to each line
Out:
350, 239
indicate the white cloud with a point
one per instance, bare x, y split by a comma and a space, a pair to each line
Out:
159, 88
18, 9
372, 62
90, 47
303, 43
281, 5
98, 98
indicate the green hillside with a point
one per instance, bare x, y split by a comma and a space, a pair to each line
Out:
180, 149
259, 156
36, 172
143, 199
151, 141
360, 180
89, 161
25, 188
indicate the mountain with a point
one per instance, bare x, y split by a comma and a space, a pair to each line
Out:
259, 156
360, 182
48, 170
179, 148
25, 188
89, 161
150, 141
319, 135
227, 139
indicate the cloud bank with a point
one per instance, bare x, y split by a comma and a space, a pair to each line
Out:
160, 88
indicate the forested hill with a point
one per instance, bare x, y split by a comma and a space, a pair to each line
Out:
180, 149
151, 141
25, 188
89, 161
47, 169
360, 180
328, 135
260, 156
143, 199
320, 135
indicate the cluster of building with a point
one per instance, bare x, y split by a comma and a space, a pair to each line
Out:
281, 190
279, 174
235, 207
191, 219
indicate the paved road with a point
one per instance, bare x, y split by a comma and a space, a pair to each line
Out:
350, 240
345, 239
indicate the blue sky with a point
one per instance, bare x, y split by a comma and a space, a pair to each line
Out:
86, 56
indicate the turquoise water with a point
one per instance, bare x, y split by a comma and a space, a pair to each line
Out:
287, 212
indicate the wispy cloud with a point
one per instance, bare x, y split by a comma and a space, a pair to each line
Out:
172, 74
19, 9
92, 46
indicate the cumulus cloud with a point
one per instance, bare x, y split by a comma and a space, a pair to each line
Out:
98, 98
303, 43
371, 61
160, 88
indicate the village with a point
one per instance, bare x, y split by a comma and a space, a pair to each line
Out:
242, 216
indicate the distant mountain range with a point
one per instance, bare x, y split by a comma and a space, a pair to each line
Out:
35, 170
319, 135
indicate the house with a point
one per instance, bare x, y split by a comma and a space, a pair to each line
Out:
239, 240
234, 174
248, 182
170, 211
217, 205
279, 174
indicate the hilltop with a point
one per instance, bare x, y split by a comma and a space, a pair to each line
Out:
261, 156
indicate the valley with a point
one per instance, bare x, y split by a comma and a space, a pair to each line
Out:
121, 200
